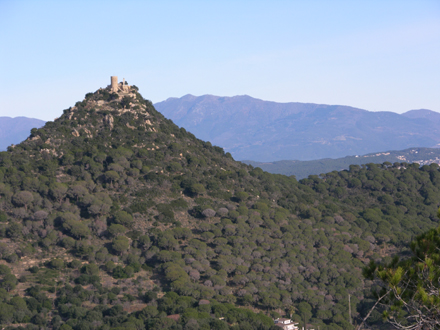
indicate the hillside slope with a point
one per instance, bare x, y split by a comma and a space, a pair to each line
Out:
265, 131
113, 217
302, 169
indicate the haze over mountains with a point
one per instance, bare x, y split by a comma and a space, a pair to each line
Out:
112, 217
302, 169
15, 130
260, 130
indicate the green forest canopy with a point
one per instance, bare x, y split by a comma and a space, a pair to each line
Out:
111, 206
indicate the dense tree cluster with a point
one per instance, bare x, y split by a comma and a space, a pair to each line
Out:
302, 169
407, 290
97, 307
113, 195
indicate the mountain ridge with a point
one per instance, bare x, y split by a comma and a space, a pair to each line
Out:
112, 216
16, 129
302, 169
269, 131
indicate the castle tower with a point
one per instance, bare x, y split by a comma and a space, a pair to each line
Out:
114, 83
125, 88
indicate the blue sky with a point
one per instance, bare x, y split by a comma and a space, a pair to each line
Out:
374, 55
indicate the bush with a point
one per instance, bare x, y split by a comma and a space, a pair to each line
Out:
222, 212
75, 264
109, 266
241, 196
68, 242
120, 272
4, 270
123, 218
14, 230
120, 244
140, 207
179, 204
3, 216
12, 258
208, 213
90, 269
34, 269
116, 229
150, 296
166, 214
57, 264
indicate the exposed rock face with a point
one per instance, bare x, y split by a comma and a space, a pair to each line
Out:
142, 191
108, 120
75, 133
101, 111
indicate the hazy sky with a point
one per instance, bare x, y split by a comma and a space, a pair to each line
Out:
375, 55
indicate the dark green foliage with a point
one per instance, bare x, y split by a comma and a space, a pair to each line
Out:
166, 213
120, 244
116, 229
129, 193
57, 264
179, 204
3, 216
140, 207
303, 169
123, 272
123, 218
408, 289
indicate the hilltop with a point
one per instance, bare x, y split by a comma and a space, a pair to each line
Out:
114, 217
267, 131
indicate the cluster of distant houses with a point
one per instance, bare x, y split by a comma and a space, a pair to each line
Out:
287, 324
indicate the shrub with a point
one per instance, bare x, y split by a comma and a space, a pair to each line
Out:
90, 269
3, 216
166, 213
109, 266
241, 196
57, 263
123, 218
116, 229
120, 244
12, 258
179, 204
120, 272
208, 213
75, 264
222, 212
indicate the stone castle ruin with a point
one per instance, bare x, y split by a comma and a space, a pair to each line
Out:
118, 87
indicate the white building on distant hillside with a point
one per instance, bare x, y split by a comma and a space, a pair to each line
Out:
286, 324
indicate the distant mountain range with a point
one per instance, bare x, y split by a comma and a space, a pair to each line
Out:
15, 130
264, 131
111, 216
302, 169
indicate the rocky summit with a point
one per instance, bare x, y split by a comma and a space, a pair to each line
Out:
112, 217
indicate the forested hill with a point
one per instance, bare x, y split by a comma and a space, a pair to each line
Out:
113, 217
302, 169
266, 131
